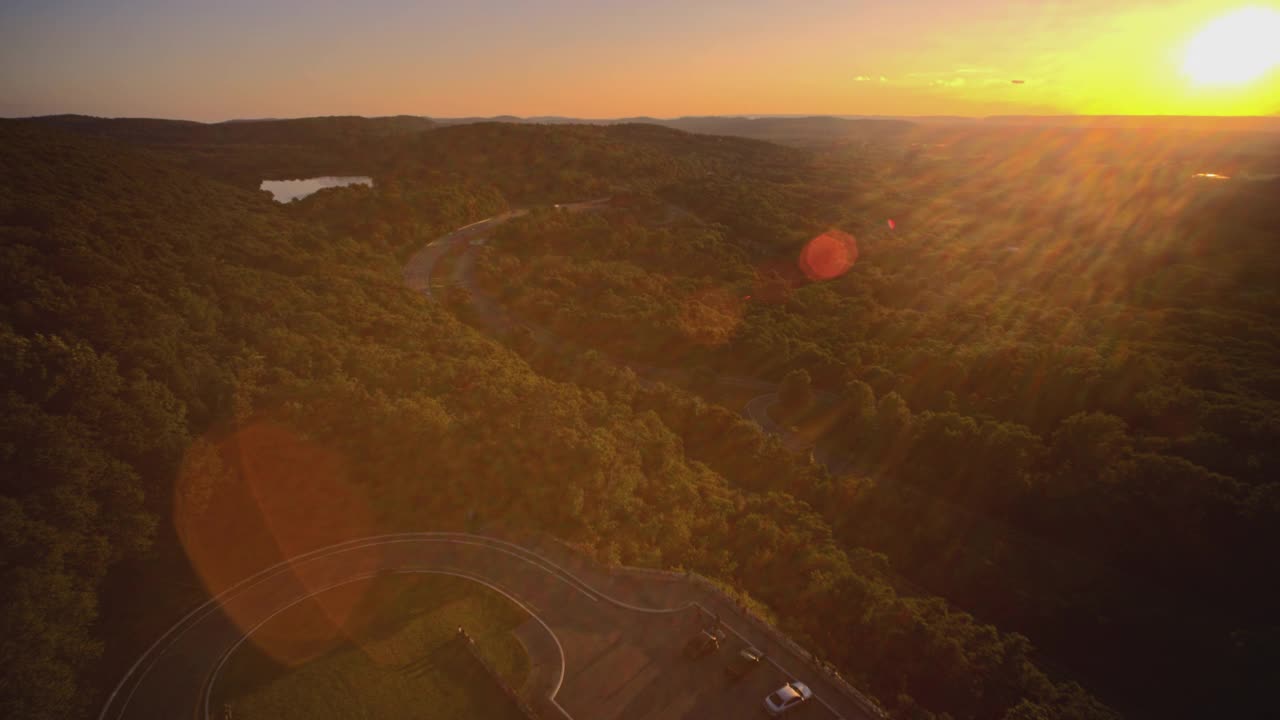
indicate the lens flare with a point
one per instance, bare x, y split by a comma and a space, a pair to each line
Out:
261, 495
828, 255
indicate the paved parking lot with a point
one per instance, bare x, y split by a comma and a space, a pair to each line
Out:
638, 672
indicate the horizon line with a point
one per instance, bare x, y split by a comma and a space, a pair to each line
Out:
621, 118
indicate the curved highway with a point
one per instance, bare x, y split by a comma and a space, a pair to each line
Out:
420, 269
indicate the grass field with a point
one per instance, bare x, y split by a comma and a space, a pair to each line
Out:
396, 655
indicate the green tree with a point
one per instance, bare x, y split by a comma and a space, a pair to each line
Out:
1088, 448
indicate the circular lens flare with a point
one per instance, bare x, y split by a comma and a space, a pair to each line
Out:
263, 494
828, 255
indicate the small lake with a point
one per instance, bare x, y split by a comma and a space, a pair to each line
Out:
290, 190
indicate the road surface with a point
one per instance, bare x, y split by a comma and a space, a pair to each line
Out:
418, 274
421, 266
419, 271
602, 644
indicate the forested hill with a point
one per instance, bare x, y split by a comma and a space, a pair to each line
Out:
299, 131
562, 158
541, 163
813, 130
246, 152
154, 322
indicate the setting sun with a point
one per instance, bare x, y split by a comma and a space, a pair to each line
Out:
1235, 49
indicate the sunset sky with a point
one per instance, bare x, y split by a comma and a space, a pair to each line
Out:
221, 59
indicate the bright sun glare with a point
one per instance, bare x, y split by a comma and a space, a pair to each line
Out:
1235, 49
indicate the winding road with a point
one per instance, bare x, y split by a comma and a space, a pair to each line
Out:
421, 266
757, 410
419, 272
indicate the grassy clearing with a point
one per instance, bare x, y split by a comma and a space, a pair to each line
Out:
395, 656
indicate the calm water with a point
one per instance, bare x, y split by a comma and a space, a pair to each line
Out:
289, 190
1246, 176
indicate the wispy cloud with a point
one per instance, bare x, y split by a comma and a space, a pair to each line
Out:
947, 75
967, 76
862, 78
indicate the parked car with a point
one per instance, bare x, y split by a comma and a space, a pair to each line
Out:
787, 698
706, 641
745, 661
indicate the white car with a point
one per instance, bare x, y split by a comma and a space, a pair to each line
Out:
787, 698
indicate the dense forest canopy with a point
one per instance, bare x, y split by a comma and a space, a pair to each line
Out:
1051, 401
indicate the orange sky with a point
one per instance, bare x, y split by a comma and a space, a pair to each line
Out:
608, 58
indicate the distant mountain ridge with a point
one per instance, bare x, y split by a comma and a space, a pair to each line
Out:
787, 129
767, 123
1258, 123
291, 131
245, 152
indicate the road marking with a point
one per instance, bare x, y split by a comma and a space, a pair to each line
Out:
213, 677
583, 589
213, 604
506, 548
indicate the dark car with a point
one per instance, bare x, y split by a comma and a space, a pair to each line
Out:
745, 661
706, 641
